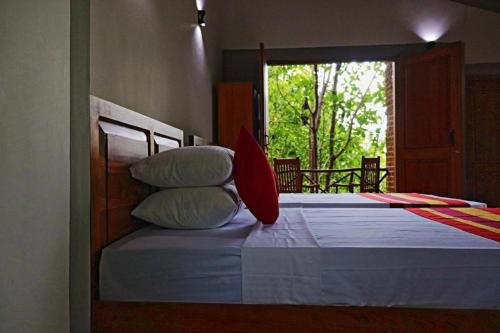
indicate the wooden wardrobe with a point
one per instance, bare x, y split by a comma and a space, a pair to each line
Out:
237, 107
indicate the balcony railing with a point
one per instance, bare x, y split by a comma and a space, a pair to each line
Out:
340, 178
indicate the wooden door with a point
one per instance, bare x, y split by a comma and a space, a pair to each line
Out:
483, 138
429, 151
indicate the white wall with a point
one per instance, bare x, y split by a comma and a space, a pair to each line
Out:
34, 176
151, 57
315, 23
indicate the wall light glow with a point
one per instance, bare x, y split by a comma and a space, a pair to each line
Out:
431, 20
200, 4
431, 30
198, 48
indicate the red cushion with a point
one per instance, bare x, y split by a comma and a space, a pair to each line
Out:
254, 179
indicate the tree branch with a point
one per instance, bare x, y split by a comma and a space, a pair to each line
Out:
351, 121
333, 123
298, 113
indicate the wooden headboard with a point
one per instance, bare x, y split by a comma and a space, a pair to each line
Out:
194, 140
118, 138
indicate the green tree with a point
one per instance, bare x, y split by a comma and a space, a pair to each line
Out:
329, 115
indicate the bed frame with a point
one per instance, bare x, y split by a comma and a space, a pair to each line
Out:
194, 140
120, 137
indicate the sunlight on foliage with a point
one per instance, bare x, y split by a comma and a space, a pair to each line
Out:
353, 99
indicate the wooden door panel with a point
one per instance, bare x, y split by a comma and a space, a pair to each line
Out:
427, 95
429, 142
416, 171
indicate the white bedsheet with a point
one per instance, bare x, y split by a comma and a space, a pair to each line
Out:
340, 200
162, 265
281, 262
377, 257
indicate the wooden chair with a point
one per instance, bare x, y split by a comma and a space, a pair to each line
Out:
369, 177
370, 174
288, 174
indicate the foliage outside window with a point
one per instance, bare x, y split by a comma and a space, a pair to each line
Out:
329, 115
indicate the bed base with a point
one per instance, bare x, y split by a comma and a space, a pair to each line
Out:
135, 317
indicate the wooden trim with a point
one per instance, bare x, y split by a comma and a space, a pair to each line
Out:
169, 317
118, 136
262, 110
113, 112
194, 140
316, 55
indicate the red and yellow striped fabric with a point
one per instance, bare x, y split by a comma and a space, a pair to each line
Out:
484, 222
407, 200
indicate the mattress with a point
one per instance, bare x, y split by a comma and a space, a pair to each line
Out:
340, 200
392, 257
163, 265
324, 256
370, 257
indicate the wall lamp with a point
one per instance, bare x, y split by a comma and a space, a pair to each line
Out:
201, 18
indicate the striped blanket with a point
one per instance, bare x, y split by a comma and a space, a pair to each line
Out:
406, 200
484, 222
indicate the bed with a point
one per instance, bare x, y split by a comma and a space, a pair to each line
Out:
194, 140
374, 257
120, 137
370, 200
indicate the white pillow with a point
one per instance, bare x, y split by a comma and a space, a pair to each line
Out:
190, 208
186, 167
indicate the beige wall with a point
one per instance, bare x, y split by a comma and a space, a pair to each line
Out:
151, 57
315, 23
34, 177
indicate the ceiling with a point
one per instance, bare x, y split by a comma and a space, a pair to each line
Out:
491, 5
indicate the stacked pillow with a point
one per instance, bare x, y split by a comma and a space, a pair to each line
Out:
195, 188
197, 185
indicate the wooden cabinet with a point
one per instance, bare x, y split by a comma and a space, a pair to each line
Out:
237, 107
